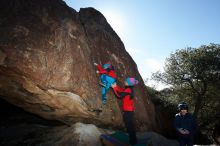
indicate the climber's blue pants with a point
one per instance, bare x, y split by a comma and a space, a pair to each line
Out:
107, 81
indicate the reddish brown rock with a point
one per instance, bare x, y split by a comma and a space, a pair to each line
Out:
47, 51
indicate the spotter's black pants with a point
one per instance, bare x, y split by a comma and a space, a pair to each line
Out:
128, 117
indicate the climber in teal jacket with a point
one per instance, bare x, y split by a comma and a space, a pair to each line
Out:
107, 78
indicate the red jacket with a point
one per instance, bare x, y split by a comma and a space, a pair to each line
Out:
125, 95
110, 73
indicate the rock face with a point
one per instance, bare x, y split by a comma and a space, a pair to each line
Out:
47, 51
78, 134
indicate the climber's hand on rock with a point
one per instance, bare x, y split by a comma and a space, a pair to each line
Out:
114, 85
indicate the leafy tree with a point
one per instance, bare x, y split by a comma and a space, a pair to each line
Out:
193, 73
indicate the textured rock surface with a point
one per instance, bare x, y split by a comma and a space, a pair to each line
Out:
78, 134
47, 50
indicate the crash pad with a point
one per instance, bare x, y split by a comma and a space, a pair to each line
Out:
117, 138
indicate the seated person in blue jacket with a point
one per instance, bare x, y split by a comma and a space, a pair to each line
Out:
185, 125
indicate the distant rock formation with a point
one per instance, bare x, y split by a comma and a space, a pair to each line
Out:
47, 51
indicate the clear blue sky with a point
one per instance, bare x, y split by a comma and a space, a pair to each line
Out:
153, 29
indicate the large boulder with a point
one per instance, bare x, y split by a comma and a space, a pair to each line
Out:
47, 51
78, 134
